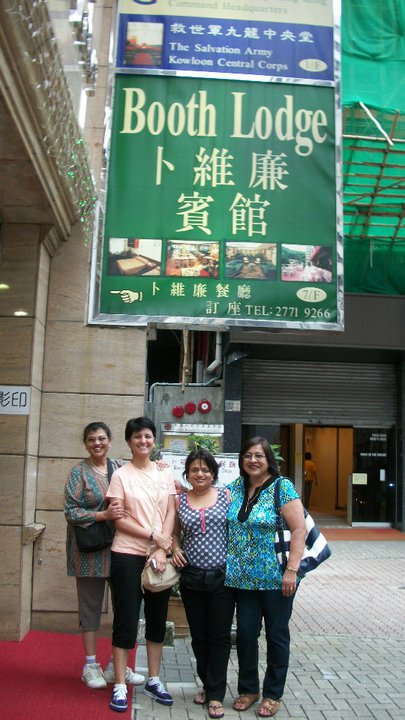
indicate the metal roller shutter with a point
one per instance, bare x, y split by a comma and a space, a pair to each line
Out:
286, 392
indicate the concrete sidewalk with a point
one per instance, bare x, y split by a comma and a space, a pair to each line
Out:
347, 649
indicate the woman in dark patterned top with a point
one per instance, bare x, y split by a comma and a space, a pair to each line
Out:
209, 605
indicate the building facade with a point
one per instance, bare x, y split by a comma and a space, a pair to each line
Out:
307, 390
74, 373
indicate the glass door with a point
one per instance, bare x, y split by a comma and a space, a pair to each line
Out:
374, 476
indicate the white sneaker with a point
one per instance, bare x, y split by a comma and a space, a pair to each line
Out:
131, 677
93, 676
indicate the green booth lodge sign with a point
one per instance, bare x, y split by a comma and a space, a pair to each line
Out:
221, 204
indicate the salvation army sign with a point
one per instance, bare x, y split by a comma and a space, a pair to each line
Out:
262, 40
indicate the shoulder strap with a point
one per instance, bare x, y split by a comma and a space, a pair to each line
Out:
280, 523
110, 469
277, 499
276, 490
154, 514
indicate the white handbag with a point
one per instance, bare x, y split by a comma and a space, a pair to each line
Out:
159, 581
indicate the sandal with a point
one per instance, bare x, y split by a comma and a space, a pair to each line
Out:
268, 707
215, 711
200, 698
245, 701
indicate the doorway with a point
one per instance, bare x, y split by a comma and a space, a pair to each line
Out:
331, 450
373, 487
355, 470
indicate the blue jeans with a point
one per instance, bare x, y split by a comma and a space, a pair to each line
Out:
253, 606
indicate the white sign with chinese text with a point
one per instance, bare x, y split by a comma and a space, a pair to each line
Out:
228, 466
15, 399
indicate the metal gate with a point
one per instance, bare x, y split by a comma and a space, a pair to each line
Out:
354, 394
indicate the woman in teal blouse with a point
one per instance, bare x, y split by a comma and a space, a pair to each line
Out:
263, 591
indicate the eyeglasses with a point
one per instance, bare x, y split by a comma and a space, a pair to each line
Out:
100, 438
254, 456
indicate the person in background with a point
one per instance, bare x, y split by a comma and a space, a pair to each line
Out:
310, 477
263, 590
85, 492
146, 494
201, 557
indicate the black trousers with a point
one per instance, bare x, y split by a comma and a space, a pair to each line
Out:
308, 492
209, 615
125, 581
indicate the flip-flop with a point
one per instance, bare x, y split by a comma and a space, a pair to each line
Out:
200, 698
268, 707
246, 700
215, 711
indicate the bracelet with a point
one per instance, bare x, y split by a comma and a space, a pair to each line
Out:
291, 569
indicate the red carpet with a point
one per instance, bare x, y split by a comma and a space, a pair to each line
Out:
40, 678
362, 534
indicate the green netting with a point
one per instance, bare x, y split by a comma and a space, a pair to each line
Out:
373, 74
373, 53
369, 268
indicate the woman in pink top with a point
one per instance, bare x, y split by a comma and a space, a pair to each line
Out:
147, 494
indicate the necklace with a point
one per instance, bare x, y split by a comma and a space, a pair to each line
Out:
256, 493
97, 469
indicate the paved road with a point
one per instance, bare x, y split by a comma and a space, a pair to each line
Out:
348, 646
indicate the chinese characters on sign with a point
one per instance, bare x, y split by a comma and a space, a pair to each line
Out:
221, 201
281, 40
15, 399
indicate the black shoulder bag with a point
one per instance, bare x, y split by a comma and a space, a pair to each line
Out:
98, 535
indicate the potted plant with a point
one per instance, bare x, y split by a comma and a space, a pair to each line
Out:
177, 614
209, 442
276, 451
